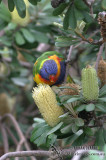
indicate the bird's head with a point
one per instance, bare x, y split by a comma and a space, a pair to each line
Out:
49, 70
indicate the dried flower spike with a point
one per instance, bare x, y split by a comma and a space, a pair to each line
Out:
90, 84
45, 99
102, 71
102, 22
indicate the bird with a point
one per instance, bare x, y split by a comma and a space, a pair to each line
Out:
49, 68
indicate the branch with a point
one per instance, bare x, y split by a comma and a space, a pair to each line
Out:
67, 62
4, 137
78, 154
98, 56
21, 136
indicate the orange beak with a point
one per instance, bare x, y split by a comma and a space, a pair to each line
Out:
52, 78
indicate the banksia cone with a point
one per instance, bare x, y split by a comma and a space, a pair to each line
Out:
69, 91
45, 99
90, 84
102, 71
102, 22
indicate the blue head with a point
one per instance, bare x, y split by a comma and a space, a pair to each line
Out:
49, 69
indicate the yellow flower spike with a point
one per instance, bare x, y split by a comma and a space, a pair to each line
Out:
45, 100
17, 19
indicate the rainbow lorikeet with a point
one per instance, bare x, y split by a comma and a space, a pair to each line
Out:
49, 68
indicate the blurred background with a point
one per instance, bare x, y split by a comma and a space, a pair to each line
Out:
22, 41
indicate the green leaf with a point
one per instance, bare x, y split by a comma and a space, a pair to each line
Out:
101, 107
102, 99
0, 1
39, 120
72, 19
66, 129
64, 115
99, 138
19, 38
73, 100
55, 128
60, 9
88, 18
66, 19
40, 37
37, 133
102, 91
79, 122
80, 108
21, 7
20, 81
11, 5
28, 56
104, 4
28, 35
34, 2
4, 13
51, 139
78, 14
88, 131
80, 5
63, 41
74, 128
90, 107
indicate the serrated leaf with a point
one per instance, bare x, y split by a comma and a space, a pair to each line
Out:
19, 38
101, 107
11, 5
102, 99
79, 122
104, 4
90, 107
63, 41
55, 128
60, 9
102, 91
21, 7
38, 132
28, 35
73, 100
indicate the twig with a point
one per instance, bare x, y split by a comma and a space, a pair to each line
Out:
67, 62
21, 136
11, 135
98, 56
5, 139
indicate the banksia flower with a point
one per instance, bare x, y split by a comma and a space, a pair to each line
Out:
102, 22
45, 100
102, 71
90, 84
